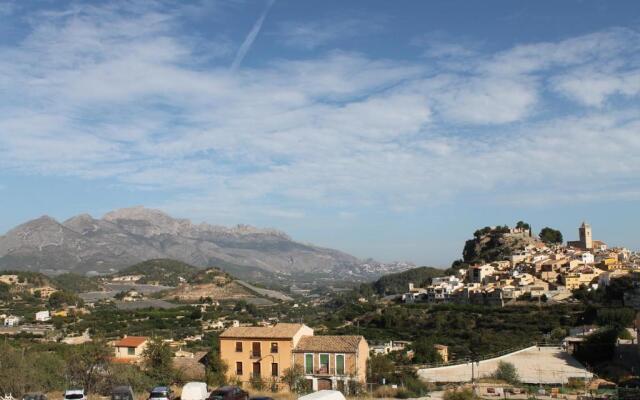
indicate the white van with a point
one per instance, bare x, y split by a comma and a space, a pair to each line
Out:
194, 391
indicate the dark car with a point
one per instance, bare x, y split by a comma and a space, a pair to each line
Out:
34, 396
122, 393
229, 393
161, 393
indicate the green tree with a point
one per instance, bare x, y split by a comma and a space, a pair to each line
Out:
380, 367
425, 351
551, 236
158, 361
294, 378
216, 370
61, 298
87, 363
507, 372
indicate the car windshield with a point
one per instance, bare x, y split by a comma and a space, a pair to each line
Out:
74, 396
120, 396
158, 395
216, 396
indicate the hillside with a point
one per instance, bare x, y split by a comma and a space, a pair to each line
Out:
167, 272
128, 236
399, 282
494, 243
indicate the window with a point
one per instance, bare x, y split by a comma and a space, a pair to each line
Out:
131, 351
274, 347
239, 368
340, 364
255, 349
256, 369
308, 363
274, 369
324, 363
239, 347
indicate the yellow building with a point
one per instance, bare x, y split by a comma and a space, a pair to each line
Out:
265, 352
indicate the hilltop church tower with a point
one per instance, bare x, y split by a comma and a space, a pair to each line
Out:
586, 240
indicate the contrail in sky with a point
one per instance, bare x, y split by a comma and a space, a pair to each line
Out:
251, 37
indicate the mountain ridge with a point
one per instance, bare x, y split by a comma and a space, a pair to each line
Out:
123, 237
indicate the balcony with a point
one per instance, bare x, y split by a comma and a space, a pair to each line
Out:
326, 371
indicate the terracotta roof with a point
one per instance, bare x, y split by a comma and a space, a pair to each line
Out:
334, 344
131, 341
277, 331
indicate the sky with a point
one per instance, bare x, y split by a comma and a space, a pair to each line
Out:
389, 130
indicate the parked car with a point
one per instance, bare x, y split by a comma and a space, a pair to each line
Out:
75, 394
161, 393
229, 393
122, 393
34, 396
194, 391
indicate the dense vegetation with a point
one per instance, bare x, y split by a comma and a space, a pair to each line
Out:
464, 328
76, 283
399, 282
164, 271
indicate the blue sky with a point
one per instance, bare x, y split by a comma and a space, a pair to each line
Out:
385, 129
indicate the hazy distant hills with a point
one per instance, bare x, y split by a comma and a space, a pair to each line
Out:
124, 237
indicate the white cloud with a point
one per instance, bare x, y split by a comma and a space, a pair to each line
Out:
310, 35
102, 93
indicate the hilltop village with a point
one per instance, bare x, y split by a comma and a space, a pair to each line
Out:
533, 269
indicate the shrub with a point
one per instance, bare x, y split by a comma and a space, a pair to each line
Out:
256, 382
506, 372
464, 394
385, 392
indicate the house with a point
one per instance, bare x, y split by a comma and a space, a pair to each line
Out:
130, 348
44, 292
443, 351
255, 351
12, 321
43, 316
331, 362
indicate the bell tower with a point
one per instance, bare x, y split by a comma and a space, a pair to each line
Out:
586, 240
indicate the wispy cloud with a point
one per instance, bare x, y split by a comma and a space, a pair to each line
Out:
311, 34
251, 37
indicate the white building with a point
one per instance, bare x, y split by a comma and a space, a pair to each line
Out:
588, 258
11, 321
43, 316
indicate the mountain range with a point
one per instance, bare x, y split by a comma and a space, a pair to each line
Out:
83, 244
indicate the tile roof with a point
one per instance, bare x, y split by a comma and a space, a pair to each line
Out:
337, 344
277, 331
131, 341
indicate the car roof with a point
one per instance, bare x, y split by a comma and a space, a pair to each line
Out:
160, 389
74, 391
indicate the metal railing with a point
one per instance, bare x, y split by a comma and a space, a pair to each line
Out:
485, 357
